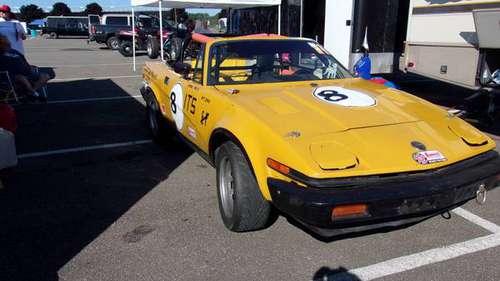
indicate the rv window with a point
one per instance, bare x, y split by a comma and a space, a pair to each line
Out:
117, 21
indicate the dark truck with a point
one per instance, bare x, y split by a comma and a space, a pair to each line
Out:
109, 32
66, 26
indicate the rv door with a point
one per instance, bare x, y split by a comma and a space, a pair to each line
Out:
93, 20
488, 28
338, 18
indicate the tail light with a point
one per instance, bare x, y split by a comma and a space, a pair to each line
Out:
92, 29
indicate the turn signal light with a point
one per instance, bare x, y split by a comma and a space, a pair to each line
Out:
345, 211
278, 166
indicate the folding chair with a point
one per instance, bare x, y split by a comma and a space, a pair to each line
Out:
7, 90
44, 92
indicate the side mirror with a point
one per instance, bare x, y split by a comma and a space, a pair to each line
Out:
182, 68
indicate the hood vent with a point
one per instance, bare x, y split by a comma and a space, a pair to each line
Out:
470, 135
332, 156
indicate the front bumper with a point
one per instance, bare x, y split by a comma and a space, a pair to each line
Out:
391, 200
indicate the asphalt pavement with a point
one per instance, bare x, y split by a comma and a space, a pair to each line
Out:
93, 198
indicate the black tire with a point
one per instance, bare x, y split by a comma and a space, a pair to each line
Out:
250, 211
53, 35
157, 124
113, 43
126, 49
153, 48
175, 48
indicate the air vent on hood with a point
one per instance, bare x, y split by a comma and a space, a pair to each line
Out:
332, 156
467, 133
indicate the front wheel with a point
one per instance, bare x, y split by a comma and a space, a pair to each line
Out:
241, 204
126, 49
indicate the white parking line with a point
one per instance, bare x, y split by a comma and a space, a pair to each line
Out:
92, 99
82, 148
94, 78
491, 227
85, 65
428, 257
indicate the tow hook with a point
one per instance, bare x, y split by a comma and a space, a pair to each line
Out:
481, 194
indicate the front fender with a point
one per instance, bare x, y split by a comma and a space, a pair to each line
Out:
257, 141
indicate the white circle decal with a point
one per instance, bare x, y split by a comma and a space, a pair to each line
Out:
343, 97
176, 98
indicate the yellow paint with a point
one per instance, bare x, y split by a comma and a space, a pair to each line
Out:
262, 116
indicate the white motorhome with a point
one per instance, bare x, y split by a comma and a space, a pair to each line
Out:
456, 41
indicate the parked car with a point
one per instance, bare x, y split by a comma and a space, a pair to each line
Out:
109, 31
287, 127
66, 26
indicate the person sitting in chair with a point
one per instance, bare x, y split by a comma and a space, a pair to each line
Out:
24, 76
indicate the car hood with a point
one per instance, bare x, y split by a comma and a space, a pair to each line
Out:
378, 133
315, 109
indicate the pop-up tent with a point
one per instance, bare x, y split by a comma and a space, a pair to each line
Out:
216, 4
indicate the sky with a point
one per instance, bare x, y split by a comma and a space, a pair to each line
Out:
78, 5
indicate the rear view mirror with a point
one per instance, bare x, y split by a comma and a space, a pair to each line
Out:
182, 68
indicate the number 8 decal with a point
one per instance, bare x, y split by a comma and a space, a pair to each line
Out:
176, 98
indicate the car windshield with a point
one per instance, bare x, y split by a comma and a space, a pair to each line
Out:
271, 61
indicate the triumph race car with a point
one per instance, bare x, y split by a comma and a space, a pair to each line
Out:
287, 127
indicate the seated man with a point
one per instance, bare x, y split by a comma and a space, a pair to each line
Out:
21, 73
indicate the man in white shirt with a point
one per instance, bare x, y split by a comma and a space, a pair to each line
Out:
12, 29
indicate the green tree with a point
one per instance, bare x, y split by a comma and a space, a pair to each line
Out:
60, 9
179, 14
222, 14
28, 13
93, 9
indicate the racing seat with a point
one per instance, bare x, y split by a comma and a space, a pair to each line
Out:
264, 65
7, 90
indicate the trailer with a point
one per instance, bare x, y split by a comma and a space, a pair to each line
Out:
457, 42
342, 26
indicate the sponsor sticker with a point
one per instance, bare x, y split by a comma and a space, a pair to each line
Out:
192, 132
343, 97
428, 157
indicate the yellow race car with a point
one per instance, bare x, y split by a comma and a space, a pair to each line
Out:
288, 127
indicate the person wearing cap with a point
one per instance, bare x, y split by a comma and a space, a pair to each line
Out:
12, 29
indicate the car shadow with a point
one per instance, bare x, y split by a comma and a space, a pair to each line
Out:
53, 207
339, 237
339, 274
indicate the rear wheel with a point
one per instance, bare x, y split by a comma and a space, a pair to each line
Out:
126, 49
175, 48
53, 35
241, 204
156, 122
153, 48
113, 43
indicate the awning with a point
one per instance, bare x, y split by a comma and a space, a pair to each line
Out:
181, 4
221, 4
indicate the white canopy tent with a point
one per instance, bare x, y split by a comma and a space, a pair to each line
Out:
215, 4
